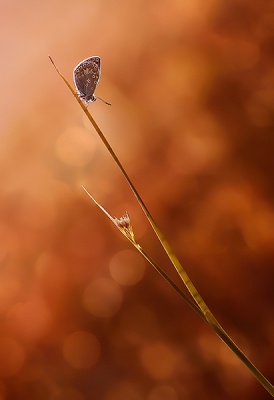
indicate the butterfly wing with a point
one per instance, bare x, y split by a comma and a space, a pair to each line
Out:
86, 76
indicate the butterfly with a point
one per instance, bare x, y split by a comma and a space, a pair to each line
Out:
86, 76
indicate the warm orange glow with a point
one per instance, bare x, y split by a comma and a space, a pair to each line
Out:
31, 319
12, 357
103, 298
82, 315
81, 350
163, 391
159, 360
75, 147
127, 267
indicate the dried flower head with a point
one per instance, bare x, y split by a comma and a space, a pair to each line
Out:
124, 225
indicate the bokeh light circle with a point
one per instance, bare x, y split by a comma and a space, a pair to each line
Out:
127, 267
103, 297
75, 147
158, 359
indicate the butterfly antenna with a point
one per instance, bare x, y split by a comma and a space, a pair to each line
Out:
103, 101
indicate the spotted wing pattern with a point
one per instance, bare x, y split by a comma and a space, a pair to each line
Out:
86, 76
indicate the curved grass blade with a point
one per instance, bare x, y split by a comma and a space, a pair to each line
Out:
125, 227
211, 320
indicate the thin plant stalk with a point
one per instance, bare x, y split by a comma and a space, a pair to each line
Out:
211, 320
126, 229
128, 233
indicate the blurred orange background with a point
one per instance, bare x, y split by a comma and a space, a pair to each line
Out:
191, 84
